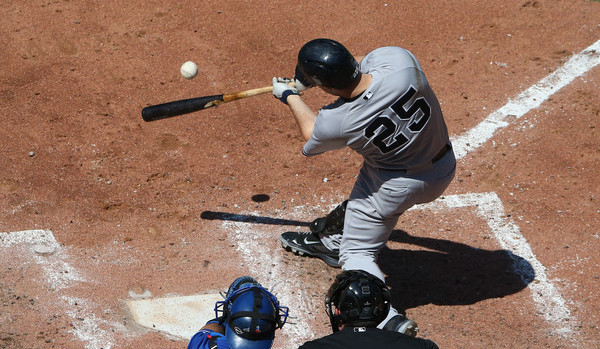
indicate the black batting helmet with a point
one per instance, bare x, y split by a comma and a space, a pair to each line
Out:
357, 298
327, 63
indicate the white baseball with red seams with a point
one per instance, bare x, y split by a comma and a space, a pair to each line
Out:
189, 70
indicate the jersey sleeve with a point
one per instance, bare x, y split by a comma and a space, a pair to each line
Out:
327, 133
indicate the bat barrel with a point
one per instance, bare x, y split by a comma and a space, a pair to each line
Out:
185, 106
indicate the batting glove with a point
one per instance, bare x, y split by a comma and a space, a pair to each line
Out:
281, 89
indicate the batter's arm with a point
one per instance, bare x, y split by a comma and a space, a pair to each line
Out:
305, 117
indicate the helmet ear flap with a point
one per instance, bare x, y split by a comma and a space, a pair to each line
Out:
303, 79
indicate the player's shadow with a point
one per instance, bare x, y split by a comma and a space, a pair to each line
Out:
440, 272
445, 272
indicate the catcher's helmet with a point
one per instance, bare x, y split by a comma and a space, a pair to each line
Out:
241, 282
250, 314
357, 298
327, 63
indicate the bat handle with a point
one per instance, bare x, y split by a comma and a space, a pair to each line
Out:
248, 93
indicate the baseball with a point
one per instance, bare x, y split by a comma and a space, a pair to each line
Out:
189, 70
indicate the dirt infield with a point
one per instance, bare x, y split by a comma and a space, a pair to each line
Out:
98, 207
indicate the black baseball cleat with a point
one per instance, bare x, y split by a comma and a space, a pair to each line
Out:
402, 324
309, 244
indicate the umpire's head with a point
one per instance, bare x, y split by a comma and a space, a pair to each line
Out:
357, 298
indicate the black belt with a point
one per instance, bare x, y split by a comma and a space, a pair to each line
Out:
441, 153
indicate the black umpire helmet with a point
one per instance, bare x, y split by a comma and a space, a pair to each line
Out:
357, 298
325, 62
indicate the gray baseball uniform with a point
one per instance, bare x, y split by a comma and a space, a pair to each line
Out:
396, 124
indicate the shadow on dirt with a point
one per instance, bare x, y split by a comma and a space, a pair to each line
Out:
234, 217
444, 272
450, 273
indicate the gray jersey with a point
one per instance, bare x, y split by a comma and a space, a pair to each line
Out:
396, 123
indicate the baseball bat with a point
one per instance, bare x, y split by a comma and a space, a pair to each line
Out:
185, 106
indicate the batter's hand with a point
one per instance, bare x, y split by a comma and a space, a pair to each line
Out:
281, 89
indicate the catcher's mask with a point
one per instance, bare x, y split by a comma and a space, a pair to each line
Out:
357, 298
250, 314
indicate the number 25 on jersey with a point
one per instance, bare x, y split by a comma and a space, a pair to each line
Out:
417, 114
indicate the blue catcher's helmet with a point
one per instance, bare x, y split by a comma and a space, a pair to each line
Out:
250, 314
241, 282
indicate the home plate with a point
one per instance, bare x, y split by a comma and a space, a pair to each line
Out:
180, 316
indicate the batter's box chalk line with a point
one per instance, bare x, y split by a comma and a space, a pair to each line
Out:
548, 300
95, 333
527, 100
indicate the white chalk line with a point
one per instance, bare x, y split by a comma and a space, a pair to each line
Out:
60, 275
264, 263
527, 100
548, 300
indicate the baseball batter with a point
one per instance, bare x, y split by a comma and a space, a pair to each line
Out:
386, 112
